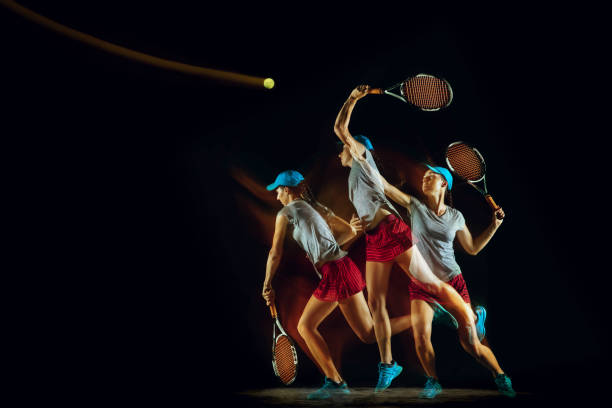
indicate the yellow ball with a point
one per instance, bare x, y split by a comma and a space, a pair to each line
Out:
269, 83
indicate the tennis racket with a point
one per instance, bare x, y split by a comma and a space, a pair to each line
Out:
468, 163
284, 356
423, 91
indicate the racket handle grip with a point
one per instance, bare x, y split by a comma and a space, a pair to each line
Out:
493, 204
273, 310
376, 91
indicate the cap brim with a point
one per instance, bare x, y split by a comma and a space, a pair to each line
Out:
340, 145
272, 186
432, 169
450, 185
365, 141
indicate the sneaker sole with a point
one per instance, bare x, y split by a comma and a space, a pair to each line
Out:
438, 392
430, 397
394, 377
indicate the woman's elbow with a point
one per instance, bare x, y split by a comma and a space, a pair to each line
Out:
275, 255
340, 128
469, 249
344, 239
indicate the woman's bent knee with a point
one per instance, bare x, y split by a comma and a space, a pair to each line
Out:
421, 335
369, 338
436, 288
376, 303
475, 351
472, 348
304, 328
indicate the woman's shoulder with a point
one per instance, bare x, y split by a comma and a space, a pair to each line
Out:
455, 213
282, 212
415, 202
287, 210
294, 208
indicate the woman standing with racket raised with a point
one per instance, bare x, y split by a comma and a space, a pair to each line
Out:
341, 281
435, 226
388, 241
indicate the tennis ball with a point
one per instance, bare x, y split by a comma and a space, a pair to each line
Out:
268, 83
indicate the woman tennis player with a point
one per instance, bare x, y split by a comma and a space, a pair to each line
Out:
341, 281
435, 226
388, 240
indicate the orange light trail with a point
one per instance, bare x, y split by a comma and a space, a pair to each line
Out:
232, 77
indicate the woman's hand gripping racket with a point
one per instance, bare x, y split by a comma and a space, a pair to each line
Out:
284, 355
468, 163
423, 91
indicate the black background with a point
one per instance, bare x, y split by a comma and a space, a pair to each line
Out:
119, 174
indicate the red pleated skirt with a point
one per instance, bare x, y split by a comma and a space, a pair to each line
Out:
340, 279
416, 291
391, 237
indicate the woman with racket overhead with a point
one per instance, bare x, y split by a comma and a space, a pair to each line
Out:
435, 226
388, 240
313, 226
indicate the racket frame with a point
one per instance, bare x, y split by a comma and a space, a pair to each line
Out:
403, 99
275, 339
484, 191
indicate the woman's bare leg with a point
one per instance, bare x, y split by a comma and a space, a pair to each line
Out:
479, 351
422, 317
357, 314
314, 313
377, 281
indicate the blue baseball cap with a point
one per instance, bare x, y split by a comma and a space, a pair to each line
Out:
361, 139
290, 178
364, 141
444, 173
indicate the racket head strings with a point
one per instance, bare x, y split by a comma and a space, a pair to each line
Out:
465, 161
285, 359
427, 92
